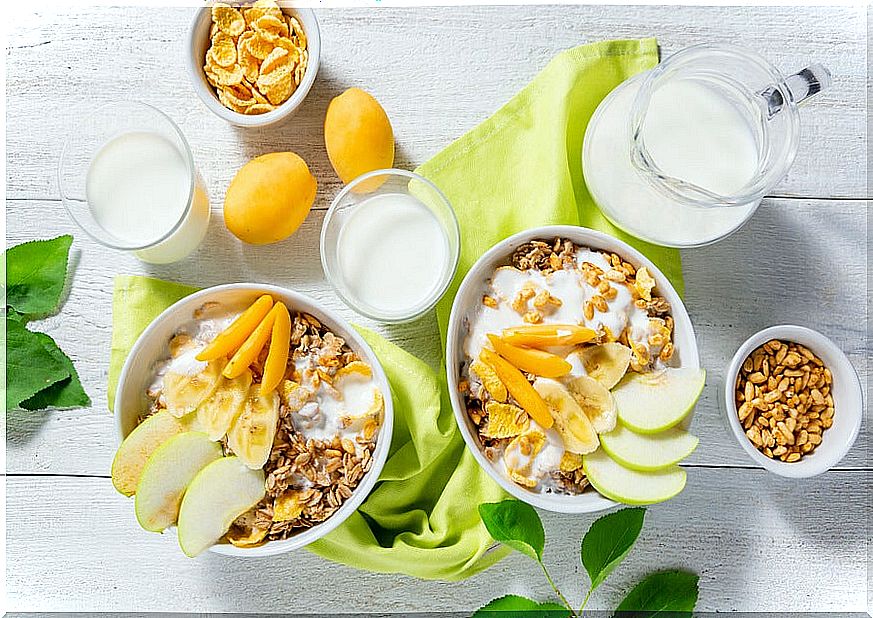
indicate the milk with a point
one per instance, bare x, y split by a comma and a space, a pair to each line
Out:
392, 253
693, 134
139, 187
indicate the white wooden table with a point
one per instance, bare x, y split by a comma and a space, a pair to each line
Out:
759, 543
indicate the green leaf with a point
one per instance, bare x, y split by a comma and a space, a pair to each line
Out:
30, 367
608, 541
513, 605
35, 275
66, 393
668, 594
516, 525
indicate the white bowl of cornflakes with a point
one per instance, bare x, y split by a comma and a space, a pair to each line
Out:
253, 63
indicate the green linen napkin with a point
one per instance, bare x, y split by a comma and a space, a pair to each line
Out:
518, 169
522, 167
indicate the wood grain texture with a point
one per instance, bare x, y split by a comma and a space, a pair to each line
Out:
438, 72
74, 545
759, 543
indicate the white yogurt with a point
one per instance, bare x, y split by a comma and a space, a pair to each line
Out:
392, 254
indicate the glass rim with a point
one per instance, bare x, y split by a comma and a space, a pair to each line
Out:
187, 156
454, 256
696, 195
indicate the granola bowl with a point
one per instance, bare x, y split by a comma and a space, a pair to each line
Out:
561, 260
321, 458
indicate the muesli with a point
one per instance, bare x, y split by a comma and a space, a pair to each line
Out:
312, 435
558, 327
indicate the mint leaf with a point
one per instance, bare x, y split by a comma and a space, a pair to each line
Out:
668, 594
66, 393
35, 275
513, 605
30, 367
516, 525
608, 541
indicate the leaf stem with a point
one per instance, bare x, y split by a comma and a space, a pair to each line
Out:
557, 591
585, 601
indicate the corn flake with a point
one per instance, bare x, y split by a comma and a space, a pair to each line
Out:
490, 381
504, 420
228, 19
271, 27
644, 283
288, 505
274, 60
570, 462
223, 50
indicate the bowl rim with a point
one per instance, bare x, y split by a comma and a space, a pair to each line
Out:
343, 329
587, 237
210, 99
814, 340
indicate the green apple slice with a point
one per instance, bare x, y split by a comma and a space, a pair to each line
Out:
648, 452
137, 447
166, 476
221, 492
655, 401
614, 481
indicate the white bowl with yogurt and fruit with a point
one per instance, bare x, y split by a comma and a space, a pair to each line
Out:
573, 371
390, 244
251, 420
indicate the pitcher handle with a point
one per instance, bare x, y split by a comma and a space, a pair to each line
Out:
800, 86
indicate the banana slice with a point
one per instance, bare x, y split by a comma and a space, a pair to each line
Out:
596, 401
184, 392
247, 531
606, 363
219, 411
571, 421
251, 435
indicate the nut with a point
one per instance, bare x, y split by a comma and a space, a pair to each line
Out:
784, 401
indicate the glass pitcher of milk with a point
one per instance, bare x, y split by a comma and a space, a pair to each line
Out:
681, 155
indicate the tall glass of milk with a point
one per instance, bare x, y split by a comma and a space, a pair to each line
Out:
681, 155
390, 244
127, 178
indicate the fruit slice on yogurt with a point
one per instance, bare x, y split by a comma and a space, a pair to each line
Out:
571, 422
653, 402
221, 492
621, 484
166, 476
648, 452
138, 446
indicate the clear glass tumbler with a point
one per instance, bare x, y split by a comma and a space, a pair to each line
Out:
390, 244
127, 178
681, 155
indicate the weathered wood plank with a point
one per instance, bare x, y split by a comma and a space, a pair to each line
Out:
74, 545
437, 71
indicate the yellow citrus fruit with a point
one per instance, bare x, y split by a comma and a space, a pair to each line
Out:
358, 136
269, 198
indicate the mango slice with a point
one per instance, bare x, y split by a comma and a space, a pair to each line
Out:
229, 340
518, 387
537, 362
548, 335
277, 357
252, 346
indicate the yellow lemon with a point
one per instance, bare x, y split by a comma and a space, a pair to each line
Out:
269, 198
358, 136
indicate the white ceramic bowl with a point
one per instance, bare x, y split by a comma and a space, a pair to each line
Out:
846, 390
470, 295
152, 346
195, 54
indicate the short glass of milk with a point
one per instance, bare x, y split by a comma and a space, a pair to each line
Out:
682, 155
127, 178
390, 244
